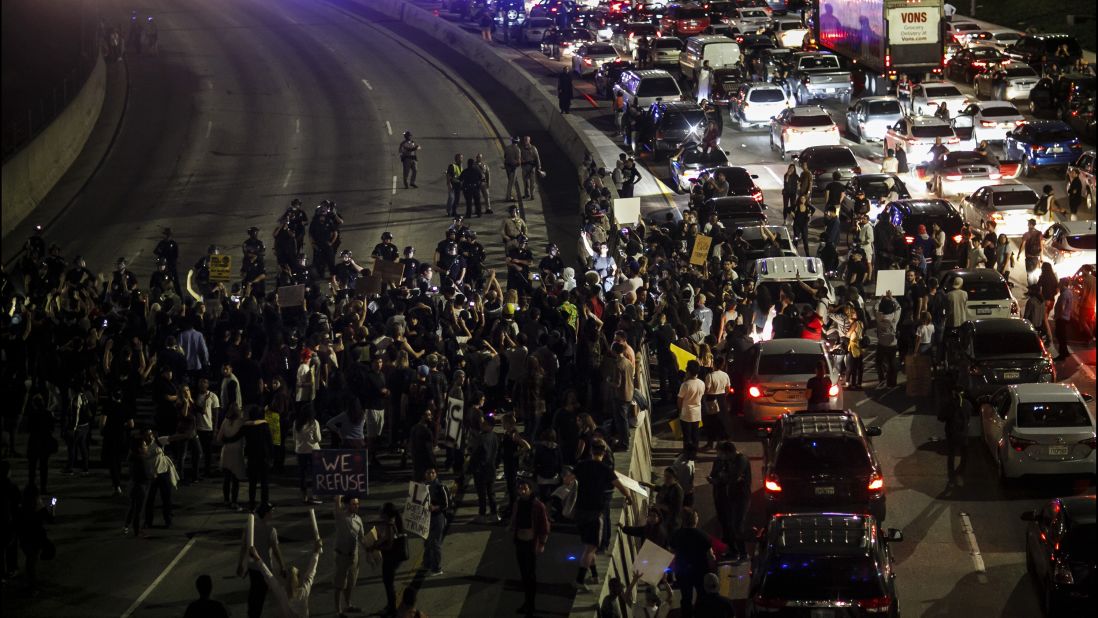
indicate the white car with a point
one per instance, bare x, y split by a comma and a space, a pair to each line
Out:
789, 31
1002, 38
666, 50
988, 292
1038, 429
761, 103
533, 30
588, 58
749, 19
916, 135
927, 96
958, 30
1009, 205
990, 120
800, 127
1069, 245
1006, 81
869, 118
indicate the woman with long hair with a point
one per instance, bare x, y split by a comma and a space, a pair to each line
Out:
306, 440
854, 331
230, 436
292, 593
392, 543
1004, 256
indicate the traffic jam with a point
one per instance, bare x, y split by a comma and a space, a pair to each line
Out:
917, 126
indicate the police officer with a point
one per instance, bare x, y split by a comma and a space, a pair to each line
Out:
455, 270
485, 184
512, 227
253, 274
453, 186
552, 263
518, 265
55, 266
408, 151
297, 221
474, 255
79, 275
346, 272
512, 160
458, 226
168, 250
123, 282
252, 244
410, 264
323, 233
161, 280
202, 270
285, 242
442, 250
386, 250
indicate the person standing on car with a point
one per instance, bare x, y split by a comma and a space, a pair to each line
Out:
565, 91
409, 155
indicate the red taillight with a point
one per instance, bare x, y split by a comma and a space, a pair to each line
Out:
875, 605
833, 391
957, 238
772, 485
1038, 148
876, 482
1020, 444
587, 61
954, 140
757, 194
1089, 442
987, 123
754, 392
909, 240
888, 60
1076, 146
857, 168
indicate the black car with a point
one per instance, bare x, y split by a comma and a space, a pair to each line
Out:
984, 355
607, 75
740, 182
969, 62
725, 82
907, 215
669, 124
823, 161
1060, 544
824, 564
735, 212
876, 188
1032, 48
1056, 95
1081, 120
822, 461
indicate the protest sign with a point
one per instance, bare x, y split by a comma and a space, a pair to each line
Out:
890, 281
632, 485
701, 249
340, 472
651, 562
627, 211
291, 296
221, 268
453, 423
389, 272
417, 509
682, 357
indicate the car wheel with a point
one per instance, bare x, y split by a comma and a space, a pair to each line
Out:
1027, 169
855, 136
783, 150
1032, 107
1090, 200
772, 147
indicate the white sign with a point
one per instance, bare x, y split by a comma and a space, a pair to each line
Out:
453, 423
632, 485
627, 210
890, 281
914, 25
417, 509
651, 562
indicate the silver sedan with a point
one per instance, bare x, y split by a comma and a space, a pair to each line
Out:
588, 58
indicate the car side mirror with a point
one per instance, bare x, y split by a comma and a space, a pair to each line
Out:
894, 535
752, 175
1029, 516
1087, 397
729, 153
873, 431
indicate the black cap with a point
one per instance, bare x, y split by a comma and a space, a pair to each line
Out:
295, 202
253, 230
386, 236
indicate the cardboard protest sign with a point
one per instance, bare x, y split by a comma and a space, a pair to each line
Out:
388, 272
221, 268
291, 296
682, 357
632, 485
627, 210
452, 423
890, 281
651, 562
340, 472
368, 286
417, 509
701, 249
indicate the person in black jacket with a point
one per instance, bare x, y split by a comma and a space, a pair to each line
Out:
471, 178
790, 185
258, 448
731, 481
32, 534
139, 487
482, 463
956, 414
40, 440
564, 91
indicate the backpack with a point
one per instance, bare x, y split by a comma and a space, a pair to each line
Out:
1041, 207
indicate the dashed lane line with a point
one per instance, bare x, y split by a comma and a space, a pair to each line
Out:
367, 84
974, 548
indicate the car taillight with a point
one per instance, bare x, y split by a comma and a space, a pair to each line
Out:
875, 605
957, 238
909, 240
1076, 146
757, 194
754, 392
1089, 442
807, 79
954, 176
876, 482
1019, 123
954, 140
857, 169
833, 390
987, 123
772, 485
1020, 444
1062, 574
1037, 148
587, 61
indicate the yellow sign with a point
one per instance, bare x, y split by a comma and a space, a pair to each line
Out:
682, 357
701, 249
221, 268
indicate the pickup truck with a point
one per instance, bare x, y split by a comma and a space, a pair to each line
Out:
818, 75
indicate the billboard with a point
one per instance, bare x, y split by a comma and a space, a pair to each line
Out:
854, 28
914, 25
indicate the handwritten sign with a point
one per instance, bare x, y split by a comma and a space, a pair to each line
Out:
453, 422
701, 249
221, 267
340, 472
632, 485
291, 296
627, 210
389, 272
417, 509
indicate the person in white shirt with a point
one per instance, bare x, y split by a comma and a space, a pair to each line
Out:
691, 393
716, 389
208, 408
890, 164
948, 11
293, 593
306, 440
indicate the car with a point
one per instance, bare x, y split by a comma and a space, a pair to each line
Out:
819, 75
720, 84
821, 461
647, 86
736, 211
665, 51
1010, 206
608, 74
533, 30
716, 50
1006, 81
759, 237
802, 127
987, 354
561, 44
590, 56
824, 161
877, 188
916, 135
957, 30
1002, 39
1081, 120
927, 96
804, 275
683, 20
1086, 307
977, 38
961, 172
688, 164
1042, 143
788, 31
824, 564
908, 215
1058, 95
625, 38
1069, 245
749, 19
869, 118
778, 369
667, 125
1032, 48
970, 62
989, 293
757, 104
770, 61
1085, 166
1060, 542
989, 120
1042, 429
741, 183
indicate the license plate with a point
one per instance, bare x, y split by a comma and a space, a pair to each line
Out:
825, 491
1055, 150
1057, 450
822, 613
1011, 375
983, 310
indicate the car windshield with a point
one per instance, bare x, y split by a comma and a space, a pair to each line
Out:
987, 290
832, 157
815, 453
754, 237
942, 91
1052, 44
697, 156
1081, 241
823, 578
985, 53
766, 95
1006, 343
878, 188
686, 121
753, 13
819, 62
965, 158
1025, 199
658, 87
1054, 135
810, 120
788, 364
602, 49
881, 108
1020, 72
739, 181
1053, 414
667, 43
1079, 543
991, 112
691, 14
932, 130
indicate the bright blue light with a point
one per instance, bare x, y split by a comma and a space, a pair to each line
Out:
571, 558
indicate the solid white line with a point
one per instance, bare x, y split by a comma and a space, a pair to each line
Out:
286, 181
160, 578
394, 185
209, 127
368, 86
775, 176
297, 126
973, 547
862, 402
388, 127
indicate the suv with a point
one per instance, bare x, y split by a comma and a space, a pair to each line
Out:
984, 355
822, 461
1032, 48
915, 136
670, 124
778, 370
684, 20
908, 215
647, 86
800, 127
757, 103
824, 564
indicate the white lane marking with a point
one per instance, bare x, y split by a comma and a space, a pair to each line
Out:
160, 578
210, 84
388, 127
286, 180
368, 86
209, 128
973, 547
862, 402
297, 126
394, 185
774, 175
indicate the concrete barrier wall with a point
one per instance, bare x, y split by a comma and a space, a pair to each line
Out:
32, 173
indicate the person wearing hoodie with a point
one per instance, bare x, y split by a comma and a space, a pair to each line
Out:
888, 319
530, 527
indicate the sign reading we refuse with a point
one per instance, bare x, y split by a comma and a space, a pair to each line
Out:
340, 473
913, 25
